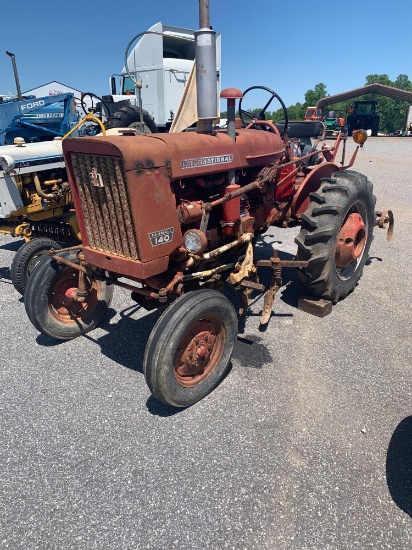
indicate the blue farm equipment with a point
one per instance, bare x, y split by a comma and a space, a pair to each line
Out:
35, 197
37, 118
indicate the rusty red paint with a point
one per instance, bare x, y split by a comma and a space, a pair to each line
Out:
284, 187
231, 93
351, 240
199, 351
62, 303
169, 182
311, 183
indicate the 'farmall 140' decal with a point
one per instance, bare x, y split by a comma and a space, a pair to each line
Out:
162, 236
206, 161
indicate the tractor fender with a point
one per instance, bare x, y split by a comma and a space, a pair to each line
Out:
310, 184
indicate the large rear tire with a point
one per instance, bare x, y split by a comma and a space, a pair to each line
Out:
375, 128
26, 259
129, 117
49, 305
336, 234
190, 348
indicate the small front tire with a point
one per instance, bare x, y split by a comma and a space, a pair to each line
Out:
49, 305
190, 348
26, 259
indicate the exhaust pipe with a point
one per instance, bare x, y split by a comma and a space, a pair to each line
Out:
16, 76
206, 77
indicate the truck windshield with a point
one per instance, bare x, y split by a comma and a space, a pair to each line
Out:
128, 86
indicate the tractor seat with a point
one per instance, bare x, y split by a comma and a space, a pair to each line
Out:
302, 128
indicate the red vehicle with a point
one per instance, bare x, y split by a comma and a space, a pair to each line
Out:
175, 217
313, 113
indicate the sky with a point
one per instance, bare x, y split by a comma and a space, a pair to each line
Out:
288, 46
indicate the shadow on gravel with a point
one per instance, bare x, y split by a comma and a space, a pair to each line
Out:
125, 340
399, 466
252, 352
5, 276
159, 409
372, 259
13, 245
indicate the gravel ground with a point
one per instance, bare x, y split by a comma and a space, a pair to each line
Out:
306, 445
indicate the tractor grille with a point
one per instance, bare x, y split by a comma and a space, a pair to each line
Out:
105, 208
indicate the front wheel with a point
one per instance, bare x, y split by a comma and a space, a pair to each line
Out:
26, 259
49, 299
190, 348
336, 234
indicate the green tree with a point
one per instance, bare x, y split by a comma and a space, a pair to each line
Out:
313, 96
295, 112
403, 83
379, 79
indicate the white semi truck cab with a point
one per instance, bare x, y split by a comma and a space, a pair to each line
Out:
161, 63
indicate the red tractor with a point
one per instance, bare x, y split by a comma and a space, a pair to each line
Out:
178, 215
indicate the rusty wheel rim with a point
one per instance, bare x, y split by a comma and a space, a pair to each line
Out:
61, 304
351, 241
199, 351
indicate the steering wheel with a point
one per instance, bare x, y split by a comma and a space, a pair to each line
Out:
261, 113
105, 109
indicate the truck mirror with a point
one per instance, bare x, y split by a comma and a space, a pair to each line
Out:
113, 85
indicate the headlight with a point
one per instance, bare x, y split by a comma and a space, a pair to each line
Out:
6, 163
195, 241
360, 136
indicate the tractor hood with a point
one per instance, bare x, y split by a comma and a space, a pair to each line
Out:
124, 200
185, 154
29, 156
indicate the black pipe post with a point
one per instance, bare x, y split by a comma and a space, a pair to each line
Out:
16, 76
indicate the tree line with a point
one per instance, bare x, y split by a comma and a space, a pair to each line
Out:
392, 112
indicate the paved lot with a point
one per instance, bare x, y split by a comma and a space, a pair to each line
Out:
306, 445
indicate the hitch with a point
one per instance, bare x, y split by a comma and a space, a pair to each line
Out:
383, 218
277, 265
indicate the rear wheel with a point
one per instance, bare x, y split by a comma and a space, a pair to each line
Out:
26, 259
49, 303
336, 234
190, 347
375, 128
129, 117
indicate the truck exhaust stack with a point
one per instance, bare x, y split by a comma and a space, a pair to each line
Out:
206, 78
